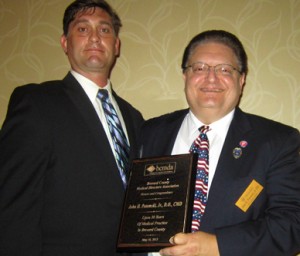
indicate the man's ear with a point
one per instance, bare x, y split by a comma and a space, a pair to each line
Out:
117, 47
184, 76
64, 44
242, 80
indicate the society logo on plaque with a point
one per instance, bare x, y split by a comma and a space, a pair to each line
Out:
160, 168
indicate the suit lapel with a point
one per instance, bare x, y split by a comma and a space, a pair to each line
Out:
89, 116
228, 167
166, 130
129, 123
173, 128
168, 140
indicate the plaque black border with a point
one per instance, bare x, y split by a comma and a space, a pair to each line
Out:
189, 183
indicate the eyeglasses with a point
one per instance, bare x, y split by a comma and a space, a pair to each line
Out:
201, 68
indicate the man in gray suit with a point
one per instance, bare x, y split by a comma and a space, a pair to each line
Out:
61, 193
253, 190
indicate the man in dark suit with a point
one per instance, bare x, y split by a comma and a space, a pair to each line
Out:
61, 192
253, 197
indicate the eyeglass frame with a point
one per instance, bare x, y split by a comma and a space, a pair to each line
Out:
206, 72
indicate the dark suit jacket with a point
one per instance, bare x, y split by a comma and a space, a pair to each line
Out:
60, 190
271, 226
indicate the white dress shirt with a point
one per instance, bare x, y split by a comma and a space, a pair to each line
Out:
188, 132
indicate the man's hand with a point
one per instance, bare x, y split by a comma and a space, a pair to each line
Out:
192, 244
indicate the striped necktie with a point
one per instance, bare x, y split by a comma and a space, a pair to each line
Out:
201, 147
119, 139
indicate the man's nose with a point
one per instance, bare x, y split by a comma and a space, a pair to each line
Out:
95, 36
211, 74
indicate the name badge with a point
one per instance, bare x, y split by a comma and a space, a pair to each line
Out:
249, 195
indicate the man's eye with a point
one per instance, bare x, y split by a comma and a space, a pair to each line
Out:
226, 70
82, 29
105, 30
198, 68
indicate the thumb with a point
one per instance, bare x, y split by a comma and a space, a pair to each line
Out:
179, 238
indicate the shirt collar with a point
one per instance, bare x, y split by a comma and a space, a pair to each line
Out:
90, 88
220, 126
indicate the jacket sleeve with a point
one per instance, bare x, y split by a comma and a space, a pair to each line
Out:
24, 158
277, 232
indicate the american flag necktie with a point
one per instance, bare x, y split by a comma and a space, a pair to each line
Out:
201, 147
119, 139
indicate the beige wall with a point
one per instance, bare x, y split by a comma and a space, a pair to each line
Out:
153, 36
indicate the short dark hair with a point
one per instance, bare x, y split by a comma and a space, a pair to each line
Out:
82, 5
218, 36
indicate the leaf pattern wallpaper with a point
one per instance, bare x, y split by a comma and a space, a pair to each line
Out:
153, 36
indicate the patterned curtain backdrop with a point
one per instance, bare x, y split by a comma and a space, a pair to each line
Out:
153, 36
